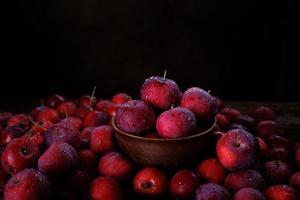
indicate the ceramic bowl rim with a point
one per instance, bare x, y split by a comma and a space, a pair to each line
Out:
163, 139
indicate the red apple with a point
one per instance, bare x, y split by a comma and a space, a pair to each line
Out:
201, 103
231, 114
237, 149
87, 100
184, 184
102, 140
150, 181
105, 188
19, 154
243, 179
212, 191
22, 120
66, 109
249, 194
276, 171
211, 170
160, 92
175, 123
58, 159
281, 192
263, 113
266, 129
135, 117
115, 165
95, 118
120, 98
295, 181
29, 184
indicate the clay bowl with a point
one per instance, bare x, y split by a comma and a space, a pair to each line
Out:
165, 152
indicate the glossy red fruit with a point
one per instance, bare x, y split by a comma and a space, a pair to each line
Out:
66, 109
115, 165
48, 114
175, 123
36, 138
85, 135
87, 161
102, 139
135, 117
201, 103
263, 147
87, 100
35, 111
58, 159
19, 154
231, 114
263, 113
63, 133
160, 92
95, 118
212, 191
249, 194
104, 188
150, 181
73, 121
82, 111
237, 149
184, 184
222, 121
266, 129
281, 192
276, 171
120, 98
41, 127
295, 181
211, 170
9, 133
243, 179
22, 120
29, 184
54, 100
107, 106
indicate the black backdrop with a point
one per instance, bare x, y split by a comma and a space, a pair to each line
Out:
240, 50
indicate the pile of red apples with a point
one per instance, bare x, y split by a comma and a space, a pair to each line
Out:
66, 149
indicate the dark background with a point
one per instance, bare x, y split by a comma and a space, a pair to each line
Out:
240, 50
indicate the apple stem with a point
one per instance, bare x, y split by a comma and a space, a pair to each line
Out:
165, 73
172, 106
209, 91
93, 93
37, 124
42, 102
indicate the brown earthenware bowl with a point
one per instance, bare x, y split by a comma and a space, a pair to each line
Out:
165, 152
